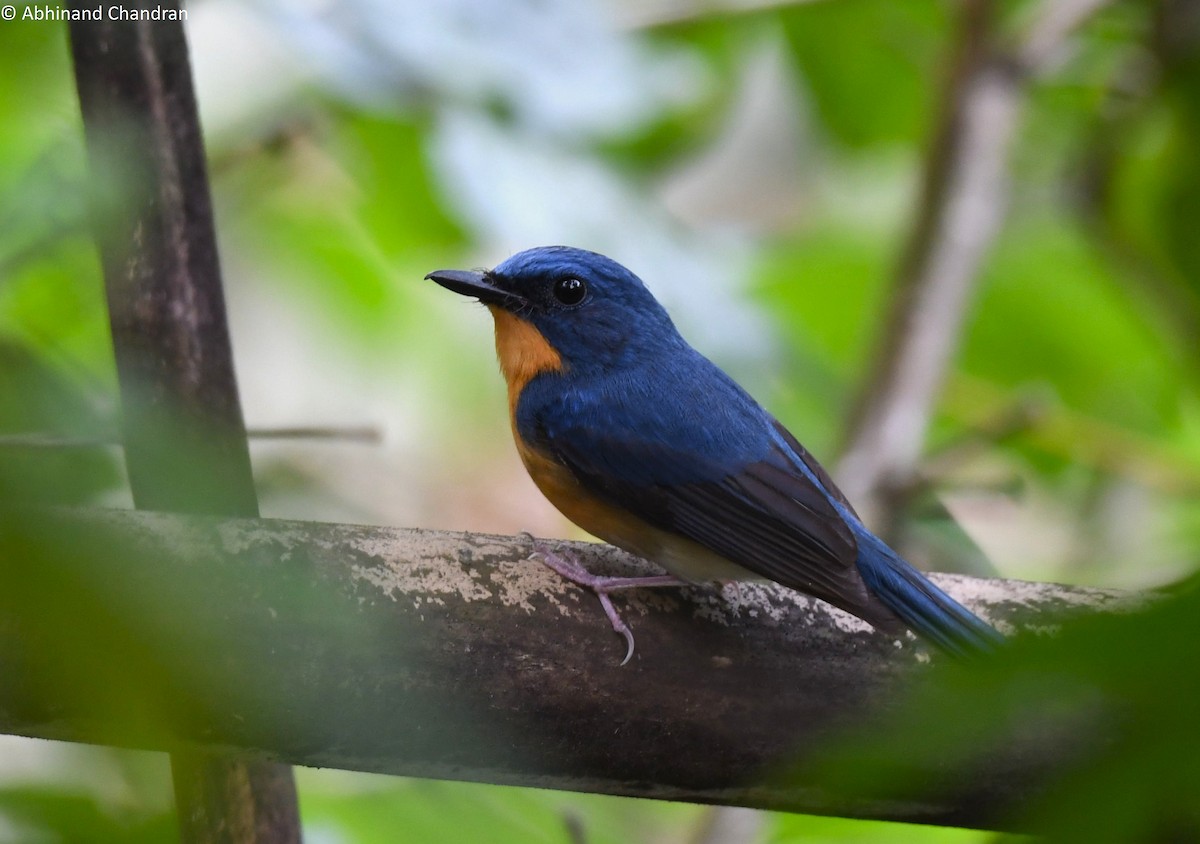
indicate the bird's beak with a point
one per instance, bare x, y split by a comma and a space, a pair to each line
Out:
479, 285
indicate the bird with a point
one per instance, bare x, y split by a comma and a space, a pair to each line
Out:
645, 443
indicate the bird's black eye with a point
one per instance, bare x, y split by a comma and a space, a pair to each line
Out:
570, 290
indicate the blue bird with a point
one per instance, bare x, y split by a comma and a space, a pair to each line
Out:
643, 442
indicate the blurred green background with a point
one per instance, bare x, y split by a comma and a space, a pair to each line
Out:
757, 163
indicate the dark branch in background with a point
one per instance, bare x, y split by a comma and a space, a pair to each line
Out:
185, 443
961, 207
456, 656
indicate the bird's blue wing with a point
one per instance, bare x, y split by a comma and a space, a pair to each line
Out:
715, 468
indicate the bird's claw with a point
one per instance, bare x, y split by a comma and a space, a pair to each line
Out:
569, 568
618, 624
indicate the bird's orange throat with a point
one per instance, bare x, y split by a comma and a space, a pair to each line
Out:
523, 353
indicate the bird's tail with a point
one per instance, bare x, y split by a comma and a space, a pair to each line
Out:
925, 608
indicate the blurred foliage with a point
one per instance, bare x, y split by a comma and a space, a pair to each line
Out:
1072, 412
416, 811
50, 406
1113, 695
40, 814
363, 205
873, 68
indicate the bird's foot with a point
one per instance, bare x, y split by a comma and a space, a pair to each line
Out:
568, 567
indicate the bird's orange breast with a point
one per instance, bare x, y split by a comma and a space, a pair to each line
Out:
524, 353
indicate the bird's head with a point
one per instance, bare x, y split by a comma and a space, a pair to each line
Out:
592, 312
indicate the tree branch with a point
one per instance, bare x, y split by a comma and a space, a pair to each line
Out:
1054, 22
454, 656
961, 208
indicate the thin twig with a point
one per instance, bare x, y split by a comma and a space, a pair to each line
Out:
365, 435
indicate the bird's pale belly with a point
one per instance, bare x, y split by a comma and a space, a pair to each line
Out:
685, 559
